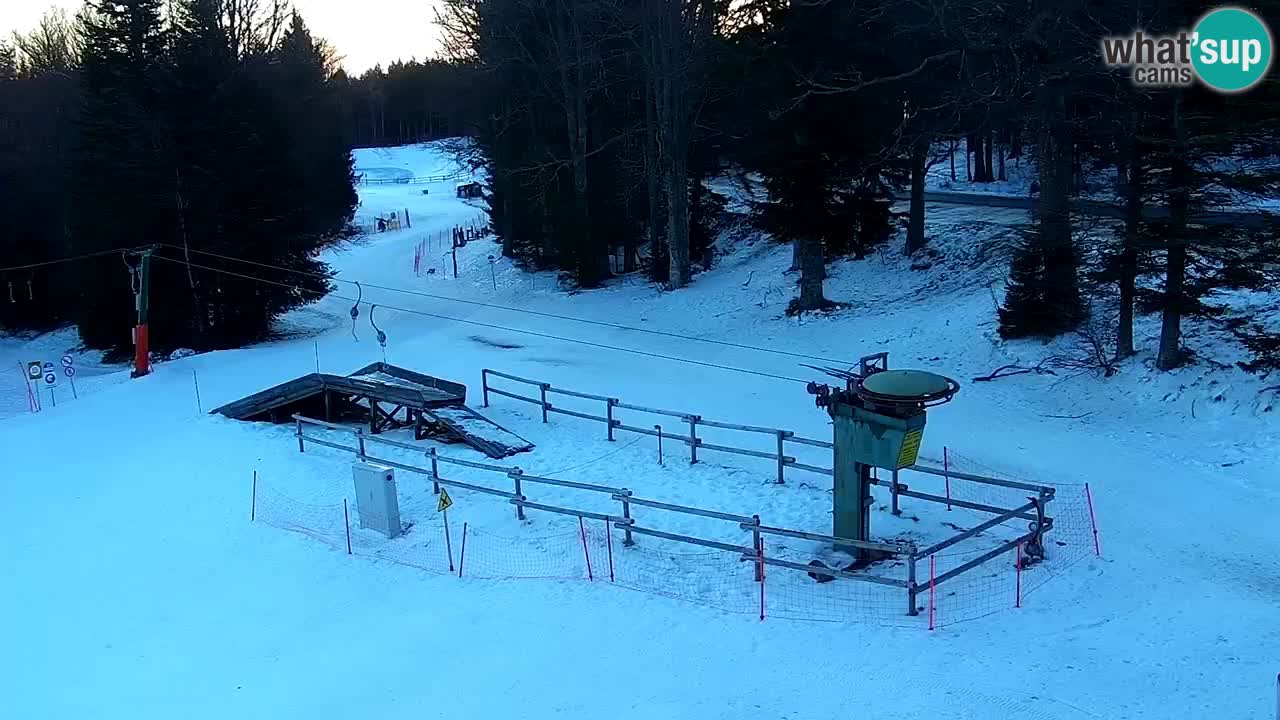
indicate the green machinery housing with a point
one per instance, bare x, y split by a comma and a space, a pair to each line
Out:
878, 421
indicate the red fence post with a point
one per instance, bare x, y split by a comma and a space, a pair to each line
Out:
26, 383
582, 531
761, 573
1018, 601
462, 555
33, 398
253, 498
346, 521
946, 473
448, 544
1088, 496
931, 586
608, 539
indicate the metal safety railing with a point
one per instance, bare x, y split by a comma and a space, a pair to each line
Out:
694, 421
1033, 511
694, 442
623, 496
413, 179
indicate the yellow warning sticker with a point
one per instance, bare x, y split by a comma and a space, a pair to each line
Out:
910, 449
446, 502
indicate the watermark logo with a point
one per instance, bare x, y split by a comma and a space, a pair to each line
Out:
1229, 50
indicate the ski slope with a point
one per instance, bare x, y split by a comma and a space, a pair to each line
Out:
138, 588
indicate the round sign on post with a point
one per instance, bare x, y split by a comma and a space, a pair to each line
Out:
51, 378
67, 361
69, 371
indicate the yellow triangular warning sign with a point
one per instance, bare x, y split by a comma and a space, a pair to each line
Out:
446, 502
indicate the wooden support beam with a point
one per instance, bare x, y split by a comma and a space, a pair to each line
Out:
382, 420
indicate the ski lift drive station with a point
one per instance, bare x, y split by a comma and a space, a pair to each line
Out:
878, 421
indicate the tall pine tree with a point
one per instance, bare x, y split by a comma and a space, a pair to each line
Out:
306, 112
121, 194
197, 141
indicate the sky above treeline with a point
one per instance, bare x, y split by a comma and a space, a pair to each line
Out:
364, 32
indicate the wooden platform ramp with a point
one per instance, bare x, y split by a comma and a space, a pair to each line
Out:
478, 431
387, 397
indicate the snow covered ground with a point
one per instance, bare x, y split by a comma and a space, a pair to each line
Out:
1019, 173
138, 588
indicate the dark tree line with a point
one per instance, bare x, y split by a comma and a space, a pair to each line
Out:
1175, 153
193, 125
406, 103
599, 121
39, 112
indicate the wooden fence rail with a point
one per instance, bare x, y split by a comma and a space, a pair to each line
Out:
412, 180
623, 496
781, 459
907, 552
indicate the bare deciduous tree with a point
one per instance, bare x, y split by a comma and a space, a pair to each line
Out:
677, 37
53, 46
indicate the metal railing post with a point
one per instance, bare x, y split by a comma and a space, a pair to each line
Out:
360, 442
626, 515
782, 456
543, 387
484, 386
911, 583
298, 432
515, 476
435, 471
693, 438
893, 492
609, 415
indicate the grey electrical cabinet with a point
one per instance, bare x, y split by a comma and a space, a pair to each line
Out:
377, 505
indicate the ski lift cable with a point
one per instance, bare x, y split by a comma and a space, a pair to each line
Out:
508, 308
492, 326
73, 258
